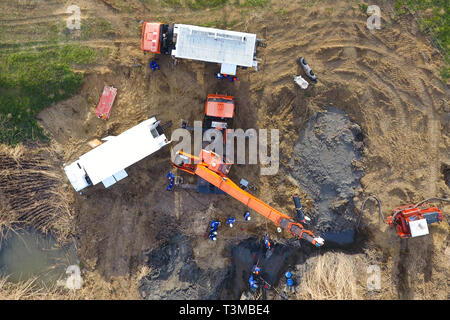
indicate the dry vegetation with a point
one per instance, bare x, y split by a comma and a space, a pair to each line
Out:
32, 192
331, 276
95, 287
341, 276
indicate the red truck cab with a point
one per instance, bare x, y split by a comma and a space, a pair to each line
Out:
150, 39
157, 38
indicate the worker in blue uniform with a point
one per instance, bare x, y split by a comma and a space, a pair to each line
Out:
247, 216
154, 66
171, 177
266, 241
213, 235
230, 221
289, 281
252, 282
256, 270
215, 225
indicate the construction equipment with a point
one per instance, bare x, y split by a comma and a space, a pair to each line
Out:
229, 48
219, 115
107, 162
298, 208
211, 167
411, 220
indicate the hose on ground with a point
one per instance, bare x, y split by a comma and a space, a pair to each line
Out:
380, 210
421, 202
393, 217
430, 199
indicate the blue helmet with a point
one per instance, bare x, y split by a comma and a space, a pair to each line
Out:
288, 274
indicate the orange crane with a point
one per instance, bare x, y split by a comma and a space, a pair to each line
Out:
210, 167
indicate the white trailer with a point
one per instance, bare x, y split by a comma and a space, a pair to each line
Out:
107, 162
228, 48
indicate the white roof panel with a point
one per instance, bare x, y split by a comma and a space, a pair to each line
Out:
228, 69
214, 45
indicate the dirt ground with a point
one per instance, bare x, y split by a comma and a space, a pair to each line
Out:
386, 80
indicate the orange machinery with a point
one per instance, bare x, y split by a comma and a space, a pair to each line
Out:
219, 113
412, 220
210, 167
157, 37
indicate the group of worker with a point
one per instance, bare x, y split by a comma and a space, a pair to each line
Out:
221, 76
215, 225
213, 230
230, 222
254, 278
290, 284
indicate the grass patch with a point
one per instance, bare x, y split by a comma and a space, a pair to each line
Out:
96, 27
435, 20
252, 3
219, 23
363, 7
31, 81
281, 11
202, 4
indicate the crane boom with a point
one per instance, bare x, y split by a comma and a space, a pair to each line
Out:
214, 171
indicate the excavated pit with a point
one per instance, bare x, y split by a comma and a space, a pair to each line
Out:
327, 164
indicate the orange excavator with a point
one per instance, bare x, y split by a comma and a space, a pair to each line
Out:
212, 168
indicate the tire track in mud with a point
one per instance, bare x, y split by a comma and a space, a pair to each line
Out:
33, 20
111, 43
384, 73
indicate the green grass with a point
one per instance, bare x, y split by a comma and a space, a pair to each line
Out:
31, 81
252, 3
204, 4
363, 7
436, 19
96, 27
281, 11
219, 23
201, 4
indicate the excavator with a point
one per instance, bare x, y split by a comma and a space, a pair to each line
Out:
219, 115
212, 168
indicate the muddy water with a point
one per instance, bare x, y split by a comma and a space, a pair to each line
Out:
326, 163
26, 254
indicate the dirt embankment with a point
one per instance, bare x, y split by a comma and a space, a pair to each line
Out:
385, 80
